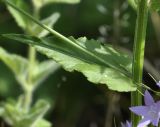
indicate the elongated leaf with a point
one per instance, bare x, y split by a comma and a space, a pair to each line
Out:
154, 5
21, 20
49, 21
102, 64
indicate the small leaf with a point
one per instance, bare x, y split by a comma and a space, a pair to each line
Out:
133, 3
17, 64
21, 20
154, 5
43, 123
102, 64
19, 67
37, 112
15, 116
43, 70
49, 21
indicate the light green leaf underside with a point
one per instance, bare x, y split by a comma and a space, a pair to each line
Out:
95, 70
21, 20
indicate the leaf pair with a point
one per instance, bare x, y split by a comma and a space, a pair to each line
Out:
19, 67
14, 114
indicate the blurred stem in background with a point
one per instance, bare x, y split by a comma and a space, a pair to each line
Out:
138, 55
156, 20
116, 22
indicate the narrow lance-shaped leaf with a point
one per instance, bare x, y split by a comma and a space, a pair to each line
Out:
71, 58
49, 21
21, 20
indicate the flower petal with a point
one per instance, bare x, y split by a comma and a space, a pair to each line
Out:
144, 122
155, 121
148, 99
140, 110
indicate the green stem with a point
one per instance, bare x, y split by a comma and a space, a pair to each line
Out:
138, 54
27, 99
32, 60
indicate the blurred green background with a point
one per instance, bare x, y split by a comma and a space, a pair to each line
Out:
75, 101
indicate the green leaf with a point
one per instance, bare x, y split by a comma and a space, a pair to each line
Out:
100, 64
49, 21
43, 70
40, 3
43, 123
21, 20
1, 111
19, 67
38, 111
16, 63
133, 3
15, 116
154, 5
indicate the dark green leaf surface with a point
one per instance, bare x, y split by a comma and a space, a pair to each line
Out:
105, 65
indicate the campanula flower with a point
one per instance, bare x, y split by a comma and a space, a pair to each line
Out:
127, 124
150, 112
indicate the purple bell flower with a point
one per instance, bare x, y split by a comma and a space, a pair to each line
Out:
150, 112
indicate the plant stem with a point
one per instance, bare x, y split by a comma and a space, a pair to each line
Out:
27, 99
32, 60
138, 55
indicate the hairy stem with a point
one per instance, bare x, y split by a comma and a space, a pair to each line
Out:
32, 60
138, 54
